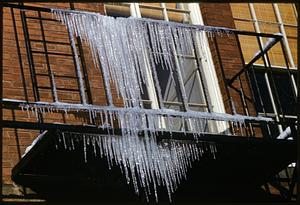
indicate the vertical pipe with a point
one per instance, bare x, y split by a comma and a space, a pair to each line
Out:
77, 64
50, 72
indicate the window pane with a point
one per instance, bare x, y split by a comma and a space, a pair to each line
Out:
265, 12
240, 10
152, 13
178, 17
117, 10
287, 14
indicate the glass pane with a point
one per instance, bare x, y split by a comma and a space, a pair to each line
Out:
178, 17
265, 12
287, 14
152, 13
190, 75
240, 10
117, 10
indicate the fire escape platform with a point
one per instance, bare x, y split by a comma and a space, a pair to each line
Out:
238, 170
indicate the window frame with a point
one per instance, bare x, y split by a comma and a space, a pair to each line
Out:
209, 74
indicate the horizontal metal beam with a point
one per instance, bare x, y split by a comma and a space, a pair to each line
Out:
44, 9
160, 135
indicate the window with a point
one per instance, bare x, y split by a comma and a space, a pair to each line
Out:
274, 95
192, 79
269, 18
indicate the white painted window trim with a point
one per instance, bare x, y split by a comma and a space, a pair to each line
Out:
213, 86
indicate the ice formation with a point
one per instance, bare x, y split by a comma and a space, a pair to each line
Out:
123, 48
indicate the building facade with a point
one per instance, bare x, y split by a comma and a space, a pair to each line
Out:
37, 52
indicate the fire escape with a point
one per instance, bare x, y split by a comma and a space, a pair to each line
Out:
230, 160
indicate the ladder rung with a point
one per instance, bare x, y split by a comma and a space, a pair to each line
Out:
50, 42
53, 53
66, 89
57, 76
37, 18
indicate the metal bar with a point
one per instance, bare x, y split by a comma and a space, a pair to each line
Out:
49, 42
50, 72
43, 9
30, 60
29, 56
43, 19
161, 135
52, 53
77, 65
19, 54
66, 89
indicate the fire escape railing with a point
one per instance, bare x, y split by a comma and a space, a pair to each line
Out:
82, 75
83, 78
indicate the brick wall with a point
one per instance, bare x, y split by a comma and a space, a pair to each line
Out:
16, 140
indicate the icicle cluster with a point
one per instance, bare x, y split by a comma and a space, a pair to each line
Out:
127, 50
125, 47
145, 163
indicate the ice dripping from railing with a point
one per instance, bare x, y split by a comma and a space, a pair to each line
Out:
124, 48
146, 163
